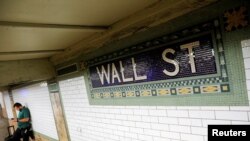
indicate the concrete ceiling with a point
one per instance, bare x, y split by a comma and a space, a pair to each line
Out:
32, 29
158, 13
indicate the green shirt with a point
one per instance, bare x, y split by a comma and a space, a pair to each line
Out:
24, 113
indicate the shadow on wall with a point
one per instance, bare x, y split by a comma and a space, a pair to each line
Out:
1, 111
3, 125
3, 128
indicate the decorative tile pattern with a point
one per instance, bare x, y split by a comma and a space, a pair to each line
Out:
185, 90
146, 93
196, 90
211, 89
163, 92
117, 94
208, 89
236, 18
130, 94
225, 88
214, 84
106, 95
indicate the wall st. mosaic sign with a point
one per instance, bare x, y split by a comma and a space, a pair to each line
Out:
188, 62
193, 57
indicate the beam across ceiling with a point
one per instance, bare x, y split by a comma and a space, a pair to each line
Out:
22, 71
31, 52
59, 26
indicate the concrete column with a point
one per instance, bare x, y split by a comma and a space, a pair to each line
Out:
58, 111
12, 103
4, 110
13, 109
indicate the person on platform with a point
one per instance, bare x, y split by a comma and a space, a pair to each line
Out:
23, 123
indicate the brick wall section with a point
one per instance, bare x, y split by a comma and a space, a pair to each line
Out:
140, 123
36, 98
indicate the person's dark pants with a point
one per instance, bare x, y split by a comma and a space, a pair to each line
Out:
21, 133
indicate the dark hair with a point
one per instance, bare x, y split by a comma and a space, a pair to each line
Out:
17, 105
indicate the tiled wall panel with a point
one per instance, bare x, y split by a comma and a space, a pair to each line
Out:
140, 123
36, 98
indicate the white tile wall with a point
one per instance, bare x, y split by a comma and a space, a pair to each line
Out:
144, 123
248, 74
139, 123
246, 52
8, 104
247, 63
36, 98
232, 115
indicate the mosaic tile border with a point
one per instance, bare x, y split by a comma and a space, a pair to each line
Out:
205, 89
187, 86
